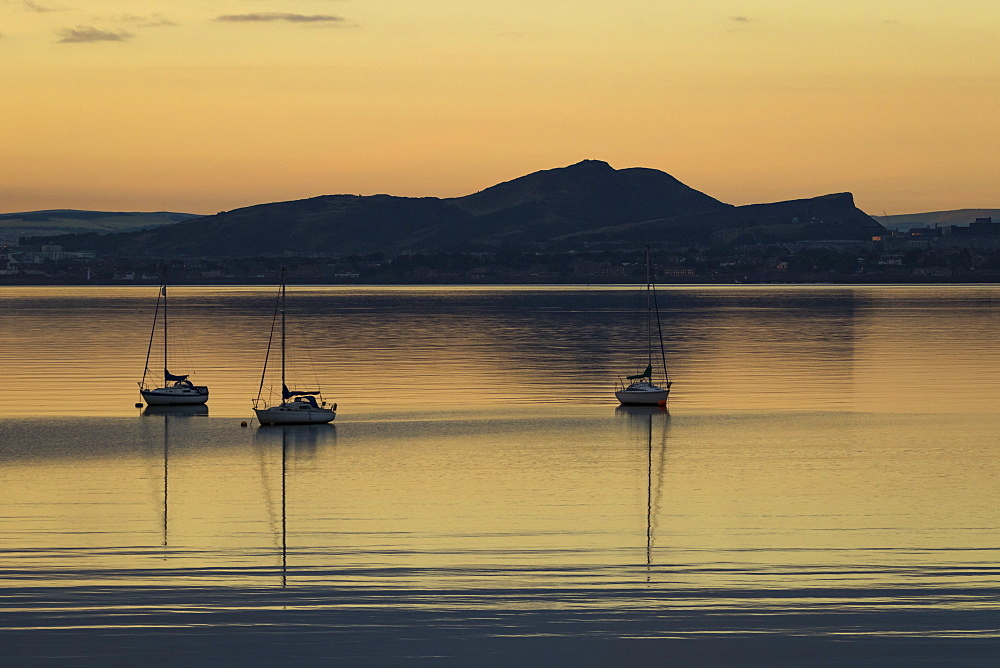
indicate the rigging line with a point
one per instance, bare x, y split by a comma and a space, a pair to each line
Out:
180, 356
310, 360
163, 292
152, 333
649, 316
282, 333
267, 355
636, 326
659, 332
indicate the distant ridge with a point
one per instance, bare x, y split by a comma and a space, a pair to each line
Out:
589, 201
72, 221
955, 217
827, 217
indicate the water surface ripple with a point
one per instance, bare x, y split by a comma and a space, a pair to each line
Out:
822, 490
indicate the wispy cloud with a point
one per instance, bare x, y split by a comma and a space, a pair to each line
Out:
35, 7
90, 34
151, 21
739, 24
267, 17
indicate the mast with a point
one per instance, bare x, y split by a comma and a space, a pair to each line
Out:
659, 327
282, 332
163, 291
149, 348
278, 306
649, 315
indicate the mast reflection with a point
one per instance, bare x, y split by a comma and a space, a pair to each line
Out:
170, 413
300, 442
647, 420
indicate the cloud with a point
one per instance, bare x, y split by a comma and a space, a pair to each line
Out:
742, 24
152, 21
265, 17
35, 7
91, 34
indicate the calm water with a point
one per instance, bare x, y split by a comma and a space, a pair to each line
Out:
823, 489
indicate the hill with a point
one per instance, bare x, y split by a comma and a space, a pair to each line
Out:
942, 218
828, 217
70, 221
587, 201
589, 195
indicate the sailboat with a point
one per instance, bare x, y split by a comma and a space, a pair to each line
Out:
641, 390
296, 406
176, 389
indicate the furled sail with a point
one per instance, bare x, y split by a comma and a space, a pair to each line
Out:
288, 394
648, 373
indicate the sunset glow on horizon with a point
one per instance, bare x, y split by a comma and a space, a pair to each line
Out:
206, 106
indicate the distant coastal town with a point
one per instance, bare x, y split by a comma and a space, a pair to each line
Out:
950, 253
584, 223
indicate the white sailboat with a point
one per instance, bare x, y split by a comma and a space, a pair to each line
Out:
640, 389
176, 389
296, 406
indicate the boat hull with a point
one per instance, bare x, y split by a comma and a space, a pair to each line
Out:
649, 397
175, 396
284, 415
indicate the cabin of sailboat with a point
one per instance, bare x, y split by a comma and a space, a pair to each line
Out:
176, 389
295, 406
640, 389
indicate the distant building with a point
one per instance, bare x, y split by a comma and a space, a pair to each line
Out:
981, 227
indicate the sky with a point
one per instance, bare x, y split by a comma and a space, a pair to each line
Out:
200, 106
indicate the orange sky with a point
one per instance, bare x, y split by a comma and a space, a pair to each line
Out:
201, 106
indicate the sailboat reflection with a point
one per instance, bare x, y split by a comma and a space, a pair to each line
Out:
169, 414
299, 441
176, 411
643, 419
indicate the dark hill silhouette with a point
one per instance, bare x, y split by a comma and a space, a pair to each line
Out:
586, 201
586, 196
829, 217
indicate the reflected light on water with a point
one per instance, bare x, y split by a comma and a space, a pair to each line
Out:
79, 351
481, 485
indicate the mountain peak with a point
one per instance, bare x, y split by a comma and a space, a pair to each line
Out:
592, 189
589, 164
